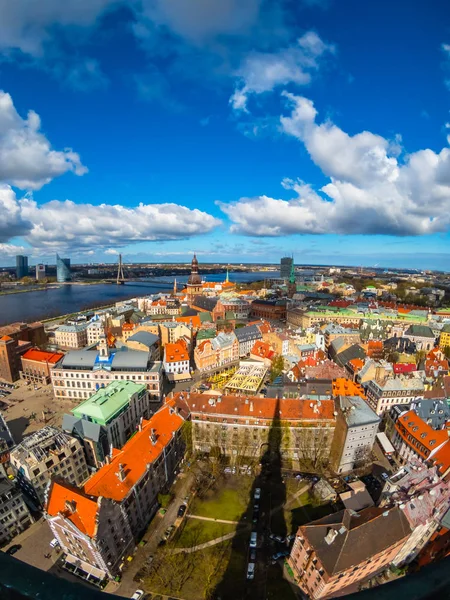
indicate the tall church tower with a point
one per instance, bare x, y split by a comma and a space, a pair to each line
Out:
194, 283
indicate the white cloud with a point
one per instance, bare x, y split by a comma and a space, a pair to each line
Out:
27, 160
27, 25
370, 190
200, 20
59, 225
263, 72
11, 250
12, 222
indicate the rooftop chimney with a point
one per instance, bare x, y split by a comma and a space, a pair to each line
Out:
121, 473
153, 436
71, 506
331, 536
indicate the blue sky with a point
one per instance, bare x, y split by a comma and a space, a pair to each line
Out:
241, 131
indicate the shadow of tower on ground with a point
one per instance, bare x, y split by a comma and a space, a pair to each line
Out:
265, 513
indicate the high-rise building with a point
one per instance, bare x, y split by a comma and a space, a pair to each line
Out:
40, 272
63, 269
21, 266
285, 267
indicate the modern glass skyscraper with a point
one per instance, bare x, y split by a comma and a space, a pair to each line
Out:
21, 266
63, 273
286, 266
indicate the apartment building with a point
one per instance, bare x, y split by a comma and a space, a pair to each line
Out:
356, 429
43, 455
14, 514
10, 354
415, 440
81, 373
424, 499
172, 331
327, 556
333, 331
387, 391
145, 342
71, 336
118, 409
246, 337
176, 359
94, 331
240, 426
97, 525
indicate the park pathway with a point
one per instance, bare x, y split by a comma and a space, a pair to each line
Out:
218, 540
211, 519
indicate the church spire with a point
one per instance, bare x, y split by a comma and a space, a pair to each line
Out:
227, 280
175, 286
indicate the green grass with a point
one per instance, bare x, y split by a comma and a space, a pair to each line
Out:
228, 504
197, 532
304, 510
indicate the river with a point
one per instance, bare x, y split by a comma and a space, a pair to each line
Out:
67, 299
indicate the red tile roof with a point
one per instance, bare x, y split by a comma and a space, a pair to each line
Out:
259, 408
262, 350
442, 458
6, 338
346, 387
194, 320
135, 456
175, 352
41, 356
426, 439
85, 509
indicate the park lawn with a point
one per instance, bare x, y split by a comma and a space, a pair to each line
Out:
197, 532
228, 502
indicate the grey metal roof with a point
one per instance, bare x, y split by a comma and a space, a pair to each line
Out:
434, 412
81, 427
356, 411
79, 358
130, 359
144, 337
246, 334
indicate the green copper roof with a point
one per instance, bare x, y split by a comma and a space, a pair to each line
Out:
108, 402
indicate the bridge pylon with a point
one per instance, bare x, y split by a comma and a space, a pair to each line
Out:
120, 276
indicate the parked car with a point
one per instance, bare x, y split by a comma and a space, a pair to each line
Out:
227, 470
182, 510
168, 532
138, 594
281, 554
13, 549
253, 554
276, 538
385, 476
290, 538
251, 570
253, 539
257, 494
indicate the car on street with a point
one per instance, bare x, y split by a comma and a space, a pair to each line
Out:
227, 470
385, 476
253, 539
276, 538
138, 594
251, 570
257, 494
168, 532
279, 555
182, 510
253, 554
13, 549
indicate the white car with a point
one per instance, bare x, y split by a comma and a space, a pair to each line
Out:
253, 539
251, 570
257, 495
138, 594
